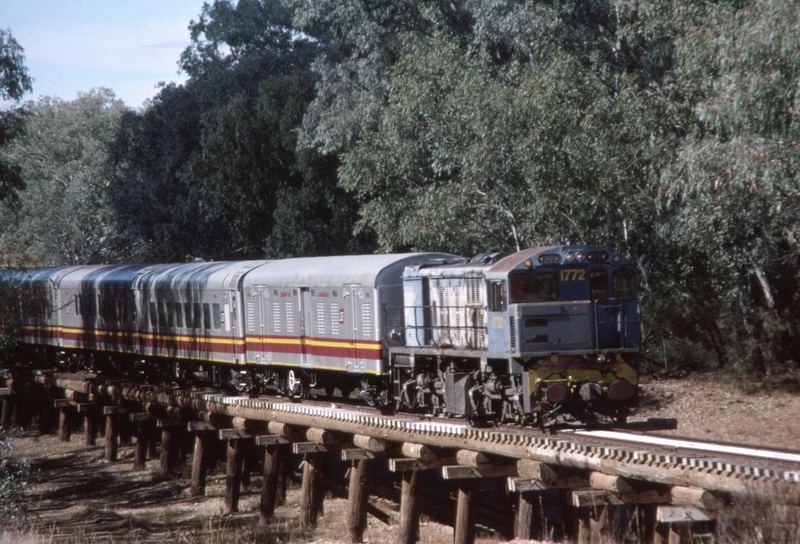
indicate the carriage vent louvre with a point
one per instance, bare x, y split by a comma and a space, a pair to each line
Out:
366, 319
456, 336
276, 316
473, 290
442, 317
251, 317
320, 318
512, 330
480, 324
289, 316
334, 318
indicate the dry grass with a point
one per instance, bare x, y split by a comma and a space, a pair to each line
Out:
83, 499
771, 517
727, 409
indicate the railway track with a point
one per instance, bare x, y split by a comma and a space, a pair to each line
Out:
674, 461
684, 480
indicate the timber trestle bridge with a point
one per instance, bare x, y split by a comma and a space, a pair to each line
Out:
675, 487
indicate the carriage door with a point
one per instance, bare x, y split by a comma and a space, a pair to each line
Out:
354, 292
606, 310
303, 321
263, 354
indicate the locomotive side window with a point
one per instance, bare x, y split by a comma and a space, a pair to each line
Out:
598, 285
624, 284
153, 315
497, 296
534, 287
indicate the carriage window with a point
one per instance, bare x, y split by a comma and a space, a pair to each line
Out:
162, 315
198, 316
534, 287
206, 315
497, 296
130, 312
624, 284
598, 285
170, 315
178, 315
217, 316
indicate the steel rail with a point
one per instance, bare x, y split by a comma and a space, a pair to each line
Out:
700, 446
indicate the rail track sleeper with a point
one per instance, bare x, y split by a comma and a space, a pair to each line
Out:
271, 440
316, 447
165, 422
682, 514
461, 472
355, 454
240, 434
405, 464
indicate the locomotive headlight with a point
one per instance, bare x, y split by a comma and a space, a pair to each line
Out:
579, 255
569, 257
529, 263
617, 258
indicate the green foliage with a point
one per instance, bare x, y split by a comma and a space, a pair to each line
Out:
14, 83
60, 217
730, 191
211, 169
15, 477
14, 78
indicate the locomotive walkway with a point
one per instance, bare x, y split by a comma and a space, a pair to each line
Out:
678, 484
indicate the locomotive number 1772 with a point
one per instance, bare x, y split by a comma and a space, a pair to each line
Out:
573, 274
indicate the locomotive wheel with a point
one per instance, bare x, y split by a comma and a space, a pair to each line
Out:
294, 387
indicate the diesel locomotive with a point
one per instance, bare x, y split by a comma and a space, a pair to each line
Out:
545, 335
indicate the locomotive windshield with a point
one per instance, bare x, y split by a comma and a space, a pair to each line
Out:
532, 287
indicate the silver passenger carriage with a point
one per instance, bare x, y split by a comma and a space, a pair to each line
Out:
326, 314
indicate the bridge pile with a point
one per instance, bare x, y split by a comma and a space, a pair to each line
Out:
589, 480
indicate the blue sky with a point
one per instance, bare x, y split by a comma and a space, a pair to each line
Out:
127, 46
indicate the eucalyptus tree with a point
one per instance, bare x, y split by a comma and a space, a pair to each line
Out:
60, 217
14, 83
475, 124
731, 193
210, 168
